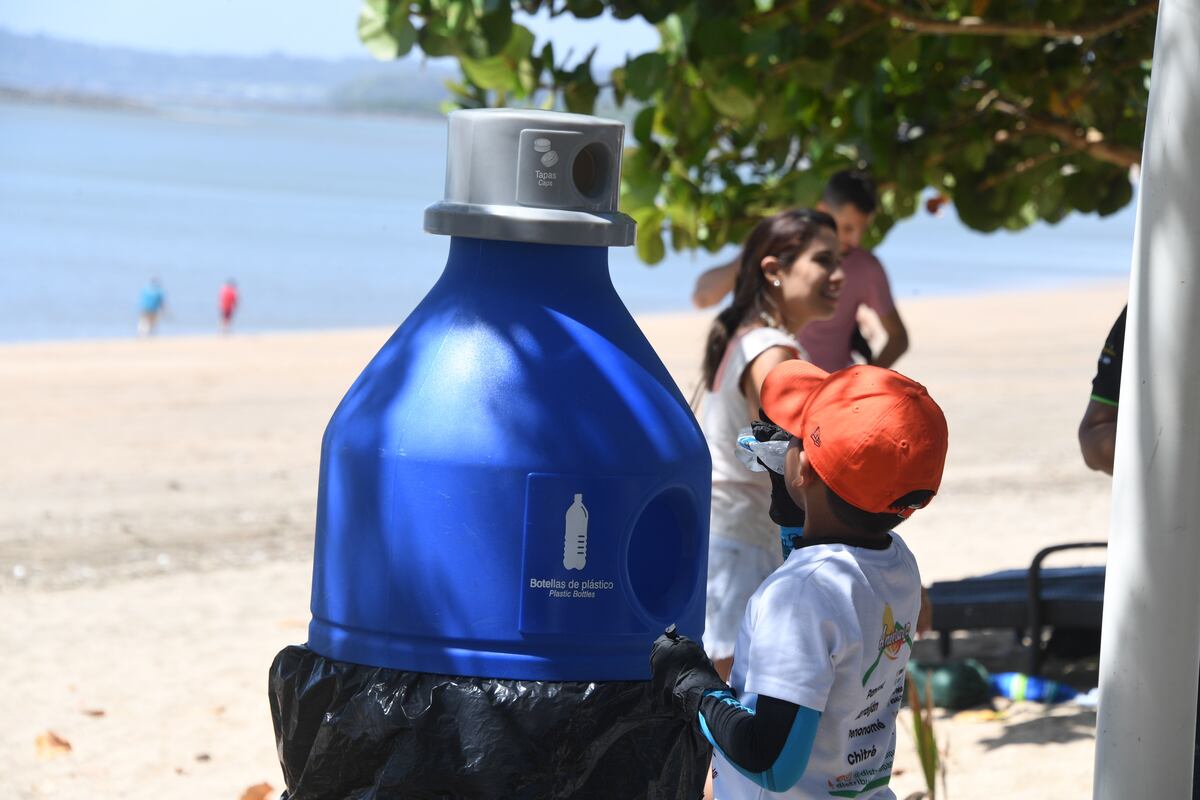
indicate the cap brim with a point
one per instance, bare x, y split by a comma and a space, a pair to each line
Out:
787, 389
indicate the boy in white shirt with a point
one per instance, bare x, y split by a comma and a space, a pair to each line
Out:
820, 660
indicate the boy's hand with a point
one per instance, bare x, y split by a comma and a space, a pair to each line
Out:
680, 673
784, 511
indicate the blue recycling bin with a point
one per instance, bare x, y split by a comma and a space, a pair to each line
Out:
514, 487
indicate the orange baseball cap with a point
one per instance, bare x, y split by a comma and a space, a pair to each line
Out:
873, 435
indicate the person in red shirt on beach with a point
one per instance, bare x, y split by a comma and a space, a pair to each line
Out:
849, 198
227, 300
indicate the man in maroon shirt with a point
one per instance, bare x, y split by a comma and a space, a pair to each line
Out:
849, 198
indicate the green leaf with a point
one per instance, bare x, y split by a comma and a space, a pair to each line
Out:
654, 11
585, 9
905, 52
1082, 192
643, 124
976, 151
645, 75
650, 248
1118, 192
673, 35
805, 187
497, 28
435, 41
385, 29
712, 37
510, 70
813, 74
763, 42
640, 183
699, 119
580, 96
732, 101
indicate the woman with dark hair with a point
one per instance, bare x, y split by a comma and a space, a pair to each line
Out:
789, 274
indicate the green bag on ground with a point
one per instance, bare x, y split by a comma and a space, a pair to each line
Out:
955, 684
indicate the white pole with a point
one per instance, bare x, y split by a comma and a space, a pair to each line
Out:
1150, 646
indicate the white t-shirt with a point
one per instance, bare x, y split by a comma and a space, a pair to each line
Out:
741, 499
831, 629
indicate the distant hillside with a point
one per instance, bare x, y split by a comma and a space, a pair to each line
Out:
64, 71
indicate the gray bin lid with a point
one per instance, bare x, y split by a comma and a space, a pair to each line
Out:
533, 176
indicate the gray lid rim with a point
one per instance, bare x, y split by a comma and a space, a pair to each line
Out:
529, 224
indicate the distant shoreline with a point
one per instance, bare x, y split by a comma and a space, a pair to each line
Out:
116, 103
102, 102
657, 316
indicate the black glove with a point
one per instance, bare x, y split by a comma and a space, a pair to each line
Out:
681, 674
784, 511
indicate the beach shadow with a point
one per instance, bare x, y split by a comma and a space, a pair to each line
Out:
1051, 725
1024, 722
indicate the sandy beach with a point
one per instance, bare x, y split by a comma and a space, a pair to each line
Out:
156, 536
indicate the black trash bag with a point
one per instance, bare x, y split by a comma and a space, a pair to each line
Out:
348, 731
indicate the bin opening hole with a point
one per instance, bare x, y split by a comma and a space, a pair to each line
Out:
664, 555
590, 171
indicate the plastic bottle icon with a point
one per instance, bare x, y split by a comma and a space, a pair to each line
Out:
575, 540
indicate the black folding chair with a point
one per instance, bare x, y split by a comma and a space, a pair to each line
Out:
1023, 600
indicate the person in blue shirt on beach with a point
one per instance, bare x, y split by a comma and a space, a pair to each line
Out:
150, 306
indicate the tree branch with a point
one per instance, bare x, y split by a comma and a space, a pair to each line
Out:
847, 38
1019, 169
974, 26
781, 9
1090, 142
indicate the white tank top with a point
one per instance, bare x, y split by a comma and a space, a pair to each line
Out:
741, 499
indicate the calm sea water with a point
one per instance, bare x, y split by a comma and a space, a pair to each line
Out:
319, 220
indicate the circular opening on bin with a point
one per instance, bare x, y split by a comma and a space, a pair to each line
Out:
664, 555
590, 171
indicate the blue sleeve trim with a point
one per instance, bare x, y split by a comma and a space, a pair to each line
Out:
793, 758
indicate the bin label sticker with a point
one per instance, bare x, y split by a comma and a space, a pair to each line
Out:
575, 531
543, 177
548, 158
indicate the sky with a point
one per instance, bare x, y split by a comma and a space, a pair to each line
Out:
313, 28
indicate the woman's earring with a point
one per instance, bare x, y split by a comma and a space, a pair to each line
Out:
776, 282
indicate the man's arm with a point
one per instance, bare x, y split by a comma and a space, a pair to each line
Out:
713, 284
925, 615
1098, 435
1098, 428
877, 295
897, 340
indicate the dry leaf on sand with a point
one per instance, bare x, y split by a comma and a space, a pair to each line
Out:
51, 745
981, 715
259, 791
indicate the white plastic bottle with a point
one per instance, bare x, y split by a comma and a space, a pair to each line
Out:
575, 540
